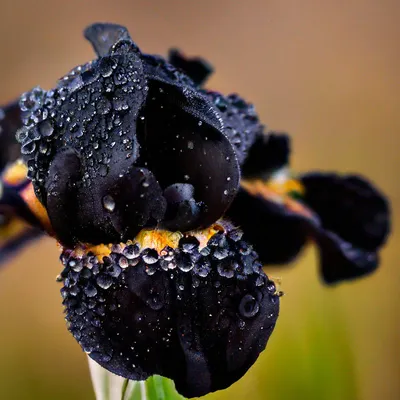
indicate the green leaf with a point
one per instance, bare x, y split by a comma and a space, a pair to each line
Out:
108, 386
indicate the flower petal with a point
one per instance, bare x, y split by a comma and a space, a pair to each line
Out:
268, 154
10, 122
198, 316
195, 68
277, 232
346, 216
103, 36
355, 223
184, 144
18, 224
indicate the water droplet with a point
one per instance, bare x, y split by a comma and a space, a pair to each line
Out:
150, 256
190, 145
103, 170
189, 244
248, 306
271, 287
151, 269
200, 123
227, 269
202, 268
109, 203
104, 281
184, 262
46, 128
131, 251
220, 253
260, 281
77, 267
90, 290
225, 192
28, 147
114, 270
123, 262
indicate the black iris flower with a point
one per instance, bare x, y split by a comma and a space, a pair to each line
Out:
167, 200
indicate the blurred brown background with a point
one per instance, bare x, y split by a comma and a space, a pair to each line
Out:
325, 71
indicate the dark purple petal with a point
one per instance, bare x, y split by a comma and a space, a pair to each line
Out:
240, 121
196, 68
10, 122
355, 223
277, 233
185, 314
350, 206
347, 217
183, 144
104, 36
268, 154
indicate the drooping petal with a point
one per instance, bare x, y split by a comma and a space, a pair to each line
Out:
346, 216
103, 36
350, 206
355, 223
18, 223
267, 155
198, 315
277, 232
195, 68
10, 122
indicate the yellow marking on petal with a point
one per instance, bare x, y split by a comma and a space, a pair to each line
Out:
156, 239
285, 187
37, 208
15, 173
99, 250
279, 191
274, 187
12, 229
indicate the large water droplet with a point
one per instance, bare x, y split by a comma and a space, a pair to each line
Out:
131, 251
249, 306
103, 170
202, 267
104, 281
109, 203
28, 147
90, 290
150, 256
46, 128
227, 269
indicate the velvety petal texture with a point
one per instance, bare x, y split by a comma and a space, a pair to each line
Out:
346, 216
198, 315
118, 132
136, 170
10, 121
355, 223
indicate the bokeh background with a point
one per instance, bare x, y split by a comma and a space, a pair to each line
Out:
325, 71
